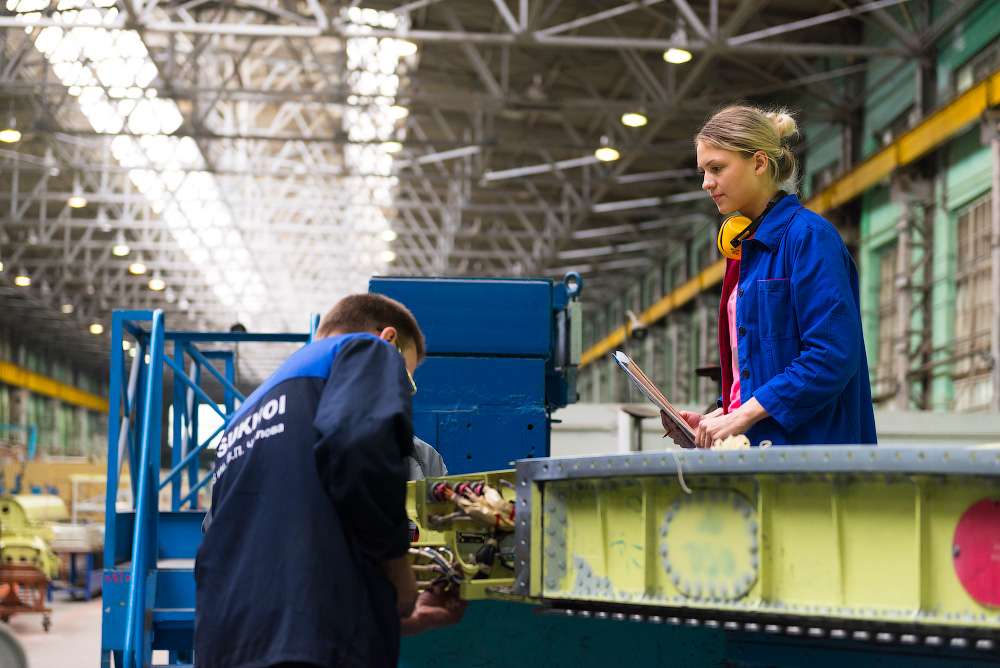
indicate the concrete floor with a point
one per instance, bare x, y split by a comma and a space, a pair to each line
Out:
74, 639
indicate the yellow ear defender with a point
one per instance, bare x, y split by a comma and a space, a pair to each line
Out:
736, 228
732, 233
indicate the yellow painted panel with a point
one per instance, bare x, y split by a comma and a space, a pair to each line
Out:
881, 559
801, 533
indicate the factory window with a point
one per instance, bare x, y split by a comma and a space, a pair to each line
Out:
973, 309
885, 385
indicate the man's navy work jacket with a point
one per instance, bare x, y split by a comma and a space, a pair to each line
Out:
309, 494
798, 323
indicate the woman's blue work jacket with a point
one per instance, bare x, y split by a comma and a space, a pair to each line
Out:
798, 323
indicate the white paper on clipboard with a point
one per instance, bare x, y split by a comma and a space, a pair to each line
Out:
680, 431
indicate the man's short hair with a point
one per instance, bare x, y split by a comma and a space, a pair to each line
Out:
372, 313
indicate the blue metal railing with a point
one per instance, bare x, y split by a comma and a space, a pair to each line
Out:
134, 436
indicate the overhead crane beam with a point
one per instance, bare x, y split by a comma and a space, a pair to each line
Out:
17, 376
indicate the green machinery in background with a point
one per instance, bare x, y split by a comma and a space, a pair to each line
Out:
753, 557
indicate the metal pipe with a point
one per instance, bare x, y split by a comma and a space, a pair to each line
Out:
133, 378
904, 299
995, 261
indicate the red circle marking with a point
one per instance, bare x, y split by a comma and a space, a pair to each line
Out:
976, 551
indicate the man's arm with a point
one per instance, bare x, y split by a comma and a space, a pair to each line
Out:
365, 433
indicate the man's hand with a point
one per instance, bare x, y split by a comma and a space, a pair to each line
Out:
435, 609
400, 574
693, 420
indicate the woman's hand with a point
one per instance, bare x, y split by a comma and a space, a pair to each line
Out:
693, 420
716, 426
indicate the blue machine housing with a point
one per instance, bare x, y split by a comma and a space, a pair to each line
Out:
501, 356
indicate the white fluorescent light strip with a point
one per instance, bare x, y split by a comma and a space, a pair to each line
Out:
109, 73
369, 120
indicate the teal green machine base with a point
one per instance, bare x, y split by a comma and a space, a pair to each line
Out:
502, 634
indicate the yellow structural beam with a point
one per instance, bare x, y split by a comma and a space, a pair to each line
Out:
673, 301
20, 377
935, 130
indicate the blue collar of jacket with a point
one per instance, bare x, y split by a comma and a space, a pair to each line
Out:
772, 229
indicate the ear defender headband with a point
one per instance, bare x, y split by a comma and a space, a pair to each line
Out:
736, 228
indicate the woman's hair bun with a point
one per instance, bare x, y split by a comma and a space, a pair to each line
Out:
784, 122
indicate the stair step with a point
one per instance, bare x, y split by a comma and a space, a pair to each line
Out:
173, 615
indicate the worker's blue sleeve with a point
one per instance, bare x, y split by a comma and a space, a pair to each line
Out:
365, 434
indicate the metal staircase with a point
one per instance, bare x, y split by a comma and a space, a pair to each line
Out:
149, 549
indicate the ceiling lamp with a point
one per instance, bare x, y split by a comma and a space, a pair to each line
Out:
389, 235
405, 48
388, 256
399, 112
157, 283
634, 120
120, 248
392, 146
605, 153
22, 279
137, 268
67, 308
97, 328
677, 55
126, 345
10, 134
76, 200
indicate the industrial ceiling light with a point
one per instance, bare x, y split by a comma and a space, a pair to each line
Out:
97, 328
76, 200
131, 352
22, 279
389, 235
392, 146
405, 48
126, 345
137, 268
67, 308
399, 112
120, 248
605, 153
678, 55
634, 120
157, 283
388, 256
10, 133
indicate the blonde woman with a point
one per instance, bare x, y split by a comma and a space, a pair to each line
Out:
793, 358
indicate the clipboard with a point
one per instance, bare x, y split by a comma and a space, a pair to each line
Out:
680, 431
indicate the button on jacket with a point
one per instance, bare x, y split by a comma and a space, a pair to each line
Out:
801, 351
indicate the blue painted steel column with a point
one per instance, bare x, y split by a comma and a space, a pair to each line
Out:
115, 395
146, 516
180, 413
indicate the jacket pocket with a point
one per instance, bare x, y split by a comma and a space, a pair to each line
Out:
776, 310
